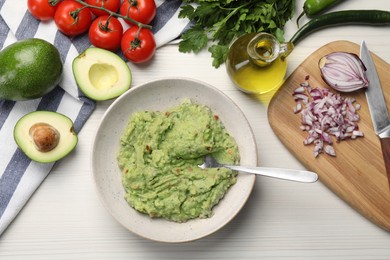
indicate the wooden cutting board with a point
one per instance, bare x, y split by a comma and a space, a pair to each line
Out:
357, 174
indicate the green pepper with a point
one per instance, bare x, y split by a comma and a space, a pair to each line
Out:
365, 17
315, 7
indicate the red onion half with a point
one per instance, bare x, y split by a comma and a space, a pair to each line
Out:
326, 115
343, 71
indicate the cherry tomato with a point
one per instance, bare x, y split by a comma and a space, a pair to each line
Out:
142, 11
42, 9
112, 5
106, 32
138, 45
72, 18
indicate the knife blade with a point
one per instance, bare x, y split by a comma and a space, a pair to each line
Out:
377, 106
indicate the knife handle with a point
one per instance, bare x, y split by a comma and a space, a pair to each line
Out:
385, 144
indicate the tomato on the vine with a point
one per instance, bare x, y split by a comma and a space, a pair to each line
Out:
112, 5
142, 11
42, 9
138, 45
72, 18
106, 32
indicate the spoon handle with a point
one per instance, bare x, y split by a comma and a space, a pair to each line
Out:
280, 173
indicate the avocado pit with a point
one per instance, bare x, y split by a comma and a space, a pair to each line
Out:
44, 136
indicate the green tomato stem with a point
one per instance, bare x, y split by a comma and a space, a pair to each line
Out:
53, 2
141, 25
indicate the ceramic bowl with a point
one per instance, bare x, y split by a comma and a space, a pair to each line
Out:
161, 95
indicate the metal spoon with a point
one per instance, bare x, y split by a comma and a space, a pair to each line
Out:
287, 174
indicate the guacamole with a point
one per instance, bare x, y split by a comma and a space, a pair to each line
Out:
159, 156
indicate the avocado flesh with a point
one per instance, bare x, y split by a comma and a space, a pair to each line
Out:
24, 139
101, 74
29, 69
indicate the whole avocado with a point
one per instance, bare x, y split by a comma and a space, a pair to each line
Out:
29, 69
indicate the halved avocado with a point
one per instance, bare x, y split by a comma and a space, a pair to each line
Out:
45, 136
101, 74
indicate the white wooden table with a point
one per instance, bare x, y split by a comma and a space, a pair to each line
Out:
65, 219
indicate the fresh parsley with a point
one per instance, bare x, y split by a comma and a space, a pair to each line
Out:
216, 23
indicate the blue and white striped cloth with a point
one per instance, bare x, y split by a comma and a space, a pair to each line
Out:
19, 176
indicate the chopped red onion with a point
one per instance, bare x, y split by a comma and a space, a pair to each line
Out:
343, 71
325, 114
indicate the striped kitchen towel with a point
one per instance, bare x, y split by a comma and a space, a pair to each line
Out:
19, 176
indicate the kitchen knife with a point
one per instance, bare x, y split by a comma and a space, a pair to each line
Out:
377, 106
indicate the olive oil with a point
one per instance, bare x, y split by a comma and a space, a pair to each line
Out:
254, 79
255, 63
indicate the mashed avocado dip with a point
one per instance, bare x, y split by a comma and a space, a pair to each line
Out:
159, 157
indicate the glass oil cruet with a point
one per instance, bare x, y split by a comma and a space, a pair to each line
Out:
256, 62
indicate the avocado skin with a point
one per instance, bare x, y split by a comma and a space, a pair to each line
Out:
29, 69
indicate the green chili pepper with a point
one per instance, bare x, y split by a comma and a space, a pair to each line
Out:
315, 7
365, 17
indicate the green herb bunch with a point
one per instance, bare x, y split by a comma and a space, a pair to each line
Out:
217, 23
